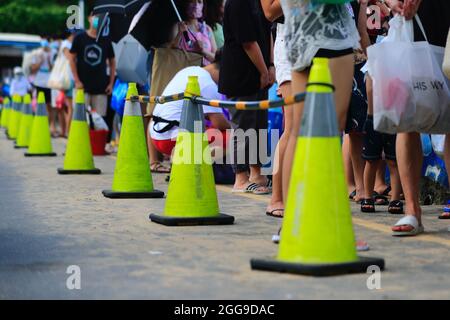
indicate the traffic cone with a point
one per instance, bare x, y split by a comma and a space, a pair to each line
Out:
132, 176
192, 197
26, 122
78, 158
40, 139
5, 113
14, 119
317, 236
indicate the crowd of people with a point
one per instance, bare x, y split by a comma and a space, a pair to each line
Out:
244, 47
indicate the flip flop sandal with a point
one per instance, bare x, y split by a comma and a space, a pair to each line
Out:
251, 188
368, 205
377, 196
352, 195
446, 214
395, 207
270, 213
158, 167
408, 221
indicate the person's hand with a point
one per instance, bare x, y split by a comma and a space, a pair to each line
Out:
182, 27
109, 89
410, 8
79, 84
395, 5
271, 75
264, 80
363, 2
200, 47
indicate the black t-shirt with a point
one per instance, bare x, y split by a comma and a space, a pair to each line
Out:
91, 61
244, 21
435, 18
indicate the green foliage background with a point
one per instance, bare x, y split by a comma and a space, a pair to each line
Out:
42, 17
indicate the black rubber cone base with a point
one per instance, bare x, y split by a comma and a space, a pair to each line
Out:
221, 219
132, 195
20, 147
52, 154
317, 270
91, 171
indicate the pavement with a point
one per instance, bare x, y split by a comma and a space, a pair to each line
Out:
50, 222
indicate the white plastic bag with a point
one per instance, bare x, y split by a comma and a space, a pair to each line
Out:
99, 123
60, 77
410, 91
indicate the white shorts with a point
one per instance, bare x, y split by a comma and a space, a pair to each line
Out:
97, 102
283, 67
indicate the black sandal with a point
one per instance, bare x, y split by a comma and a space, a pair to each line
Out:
395, 207
270, 213
377, 196
367, 205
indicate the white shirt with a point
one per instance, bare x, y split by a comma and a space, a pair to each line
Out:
20, 86
172, 110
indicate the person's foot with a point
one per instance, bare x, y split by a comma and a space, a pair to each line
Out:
384, 190
275, 209
261, 180
250, 187
158, 167
408, 227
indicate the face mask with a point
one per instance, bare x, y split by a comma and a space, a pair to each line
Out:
95, 21
44, 43
195, 10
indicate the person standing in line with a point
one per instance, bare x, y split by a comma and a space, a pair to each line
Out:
247, 73
89, 62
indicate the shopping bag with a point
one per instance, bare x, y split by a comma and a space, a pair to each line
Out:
410, 91
446, 63
118, 96
60, 77
166, 64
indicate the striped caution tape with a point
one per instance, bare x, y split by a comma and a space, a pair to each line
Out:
239, 105
157, 99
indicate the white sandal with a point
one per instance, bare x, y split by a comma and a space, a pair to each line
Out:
408, 221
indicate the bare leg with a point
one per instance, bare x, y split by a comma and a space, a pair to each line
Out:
276, 201
370, 171
348, 168
380, 181
409, 161
255, 175
356, 148
395, 180
51, 119
299, 80
62, 121
342, 73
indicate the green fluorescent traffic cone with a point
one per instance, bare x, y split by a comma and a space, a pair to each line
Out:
192, 196
14, 119
26, 122
40, 139
78, 158
132, 176
317, 236
5, 113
